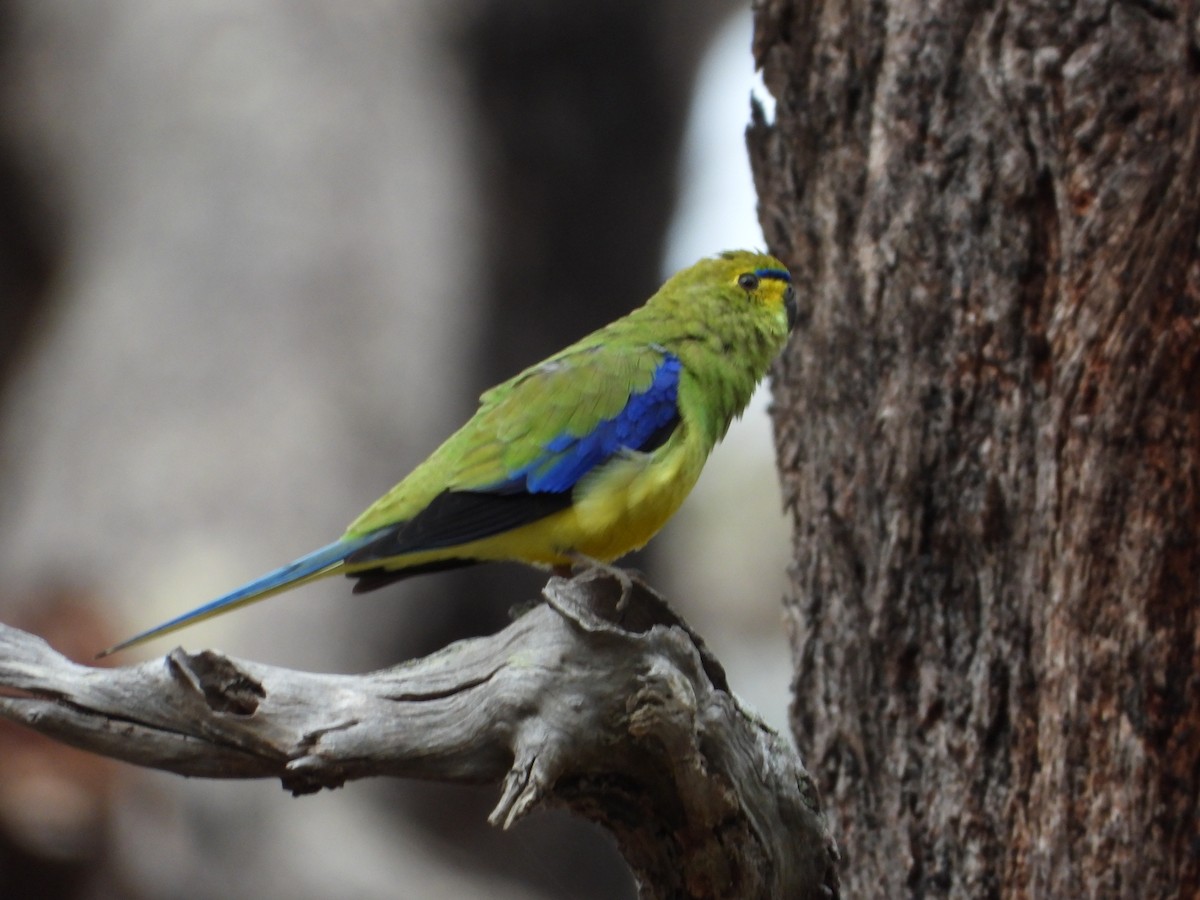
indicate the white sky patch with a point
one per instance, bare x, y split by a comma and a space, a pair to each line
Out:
717, 204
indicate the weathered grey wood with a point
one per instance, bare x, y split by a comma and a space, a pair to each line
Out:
616, 712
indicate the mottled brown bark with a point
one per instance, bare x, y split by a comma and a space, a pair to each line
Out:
989, 432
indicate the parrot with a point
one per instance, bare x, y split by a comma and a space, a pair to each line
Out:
580, 458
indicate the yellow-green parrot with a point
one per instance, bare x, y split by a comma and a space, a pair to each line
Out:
585, 455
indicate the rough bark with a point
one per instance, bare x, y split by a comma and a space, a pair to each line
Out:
989, 435
614, 710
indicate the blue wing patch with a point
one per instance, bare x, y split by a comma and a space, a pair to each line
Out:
638, 425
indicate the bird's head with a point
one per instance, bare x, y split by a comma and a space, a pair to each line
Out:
738, 288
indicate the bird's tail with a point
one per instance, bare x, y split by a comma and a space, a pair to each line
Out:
315, 565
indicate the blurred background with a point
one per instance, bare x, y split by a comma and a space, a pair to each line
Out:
256, 261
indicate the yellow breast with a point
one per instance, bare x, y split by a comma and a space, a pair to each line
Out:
625, 503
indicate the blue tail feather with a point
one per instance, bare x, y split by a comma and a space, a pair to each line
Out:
308, 567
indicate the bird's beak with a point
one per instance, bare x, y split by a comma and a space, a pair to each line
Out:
789, 303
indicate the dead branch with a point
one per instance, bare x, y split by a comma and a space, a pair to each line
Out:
619, 714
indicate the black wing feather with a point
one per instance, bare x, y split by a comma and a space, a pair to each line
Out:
459, 517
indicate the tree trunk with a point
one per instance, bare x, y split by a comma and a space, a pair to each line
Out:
988, 432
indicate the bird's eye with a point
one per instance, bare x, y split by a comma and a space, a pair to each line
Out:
748, 281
